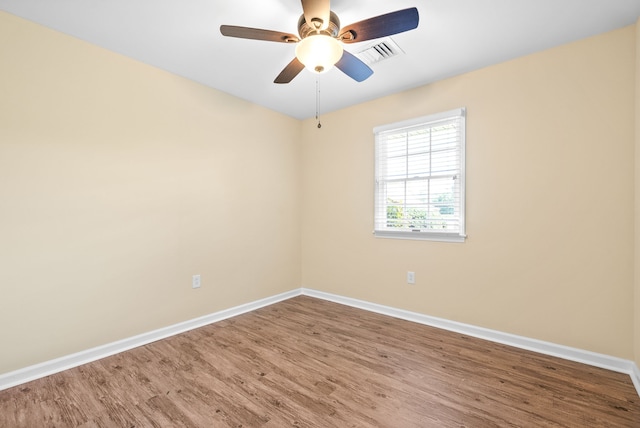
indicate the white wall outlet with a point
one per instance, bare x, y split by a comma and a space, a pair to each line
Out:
195, 281
411, 277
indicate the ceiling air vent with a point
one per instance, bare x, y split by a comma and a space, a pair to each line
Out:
379, 51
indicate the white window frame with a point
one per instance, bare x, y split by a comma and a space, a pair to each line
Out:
381, 228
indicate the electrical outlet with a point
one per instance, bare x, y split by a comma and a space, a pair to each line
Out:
195, 281
411, 277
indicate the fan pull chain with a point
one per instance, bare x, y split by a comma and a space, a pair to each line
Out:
318, 100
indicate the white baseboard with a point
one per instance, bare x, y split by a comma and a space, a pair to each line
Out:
47, 368
635, 377
568, 353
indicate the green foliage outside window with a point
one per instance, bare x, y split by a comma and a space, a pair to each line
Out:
418, 218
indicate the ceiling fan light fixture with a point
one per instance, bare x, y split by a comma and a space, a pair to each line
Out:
319, 52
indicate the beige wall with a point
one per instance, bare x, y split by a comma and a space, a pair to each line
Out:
550, 181
637, 201
118, 182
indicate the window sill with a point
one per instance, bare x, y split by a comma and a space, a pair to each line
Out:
420, 236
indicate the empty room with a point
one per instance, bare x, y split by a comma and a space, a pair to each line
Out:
320, 213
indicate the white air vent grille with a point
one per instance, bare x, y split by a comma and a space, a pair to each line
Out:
379, 51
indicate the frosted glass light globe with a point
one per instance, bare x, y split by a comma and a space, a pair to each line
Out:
319, 52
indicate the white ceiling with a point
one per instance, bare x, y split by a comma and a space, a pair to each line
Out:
454, 36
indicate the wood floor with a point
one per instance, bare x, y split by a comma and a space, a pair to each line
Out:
306, 362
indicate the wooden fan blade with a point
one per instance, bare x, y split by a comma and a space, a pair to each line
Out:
290, 71
353, 67
316, 13
381, 26
257, 34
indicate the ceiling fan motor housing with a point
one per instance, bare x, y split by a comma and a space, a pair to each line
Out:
332, 30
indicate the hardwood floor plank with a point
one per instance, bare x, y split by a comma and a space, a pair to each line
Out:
306, 362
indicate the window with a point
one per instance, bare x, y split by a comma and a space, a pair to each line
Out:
420, 178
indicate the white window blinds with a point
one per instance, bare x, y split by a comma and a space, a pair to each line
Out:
420, 178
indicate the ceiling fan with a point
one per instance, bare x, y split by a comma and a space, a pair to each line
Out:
319, 46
